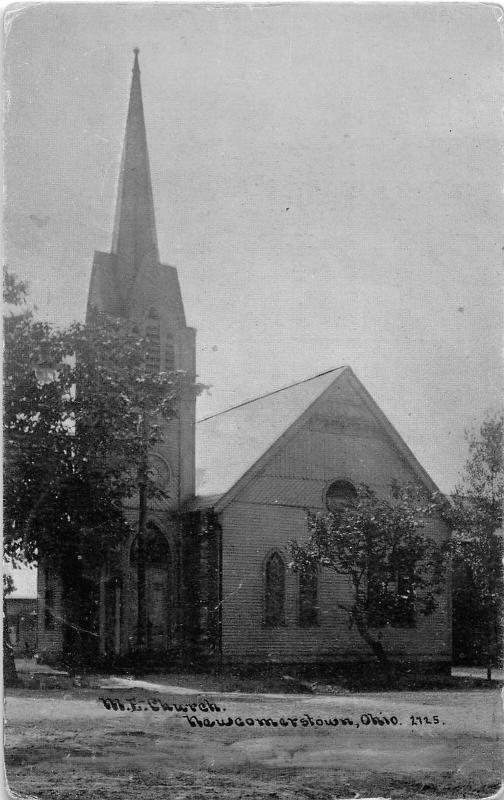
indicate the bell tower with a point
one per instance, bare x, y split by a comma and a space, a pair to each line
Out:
130, 282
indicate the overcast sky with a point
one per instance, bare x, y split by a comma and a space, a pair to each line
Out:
327, 180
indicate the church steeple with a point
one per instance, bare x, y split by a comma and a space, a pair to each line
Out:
134, 239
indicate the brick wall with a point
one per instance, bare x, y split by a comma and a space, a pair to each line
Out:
50, 612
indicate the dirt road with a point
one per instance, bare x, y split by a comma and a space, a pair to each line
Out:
70, 746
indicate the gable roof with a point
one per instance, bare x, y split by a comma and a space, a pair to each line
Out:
230, 443
233, 445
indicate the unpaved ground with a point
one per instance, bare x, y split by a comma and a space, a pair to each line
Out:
67, 746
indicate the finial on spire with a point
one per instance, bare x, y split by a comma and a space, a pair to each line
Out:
136, 67
136, 50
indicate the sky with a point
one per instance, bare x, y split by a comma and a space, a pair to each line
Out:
327, 180
24, 581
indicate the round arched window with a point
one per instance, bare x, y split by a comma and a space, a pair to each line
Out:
339, 495
157, 551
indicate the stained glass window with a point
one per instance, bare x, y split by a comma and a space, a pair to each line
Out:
152, 342
275, 591
391, 599
308, 598
169, 354
48, 601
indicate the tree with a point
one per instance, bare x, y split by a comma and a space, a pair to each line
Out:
14, 296
10, 677
82, 411
376, 543
476, 518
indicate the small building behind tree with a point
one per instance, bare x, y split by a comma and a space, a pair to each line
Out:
21, 612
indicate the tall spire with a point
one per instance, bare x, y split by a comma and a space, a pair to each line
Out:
134, 239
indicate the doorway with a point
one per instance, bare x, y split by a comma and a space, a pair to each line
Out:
158, 589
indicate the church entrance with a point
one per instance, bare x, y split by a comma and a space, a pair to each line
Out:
157, 608
158, 590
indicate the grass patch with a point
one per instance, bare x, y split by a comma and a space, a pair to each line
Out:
274, 680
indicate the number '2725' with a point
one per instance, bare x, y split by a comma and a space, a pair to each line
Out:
424, 720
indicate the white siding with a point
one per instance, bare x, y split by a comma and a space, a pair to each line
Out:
341, 440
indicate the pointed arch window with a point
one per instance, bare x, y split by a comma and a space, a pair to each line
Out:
157, 550
405, 597
158, 588
308, 598
153, 343
274, 591
48, 599
391, 597
169, 363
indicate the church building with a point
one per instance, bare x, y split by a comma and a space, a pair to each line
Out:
238, 485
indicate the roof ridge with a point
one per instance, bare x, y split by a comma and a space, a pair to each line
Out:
269, 394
